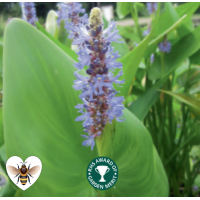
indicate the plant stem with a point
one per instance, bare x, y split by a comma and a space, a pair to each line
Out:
134, 14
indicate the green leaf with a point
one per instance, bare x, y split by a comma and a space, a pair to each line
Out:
191, 76
1, 128
130, 65
42, 116
51, 23
130, 145
3, 157
123, 9
187, 8
1, 63
192, 102
180, 51
43, 120
140, 6
195, 88
194, 59
128, 33
66, 49
132, 60
167, 19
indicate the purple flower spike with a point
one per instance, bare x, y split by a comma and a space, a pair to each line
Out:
165, 46
28, 12
69, 12
89, 142
152, 7
100, 105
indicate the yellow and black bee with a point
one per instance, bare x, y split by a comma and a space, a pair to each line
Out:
23, 173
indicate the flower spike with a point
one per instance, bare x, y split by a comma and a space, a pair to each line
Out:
98, 94
69, 12
29, 12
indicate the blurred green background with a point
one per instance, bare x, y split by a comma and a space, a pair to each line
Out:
12, 9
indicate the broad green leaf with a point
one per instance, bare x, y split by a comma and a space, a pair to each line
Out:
66, 49
130, 145
187, 8
123, 9
192, 102
51, 23
180, 51
42, 115
43, 120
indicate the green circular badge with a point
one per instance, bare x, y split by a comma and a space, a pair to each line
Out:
102, 173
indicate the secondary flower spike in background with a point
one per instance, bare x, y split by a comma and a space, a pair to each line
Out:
69, 12
152, 7
98, 94
29, 12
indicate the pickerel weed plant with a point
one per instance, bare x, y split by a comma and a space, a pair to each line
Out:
70, 13
149, 127
29, 12
100, 105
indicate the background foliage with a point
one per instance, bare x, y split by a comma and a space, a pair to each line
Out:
156, 148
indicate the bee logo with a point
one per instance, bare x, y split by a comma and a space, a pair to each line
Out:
23, 173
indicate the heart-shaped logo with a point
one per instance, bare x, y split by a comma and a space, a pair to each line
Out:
23, 174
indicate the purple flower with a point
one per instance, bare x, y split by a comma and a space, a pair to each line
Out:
84, 58
97, 92
69, 12
81, 82
146, 32
165, 46
28, 12
111, 34
89, 142
152, 58
152, 7
195, 188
